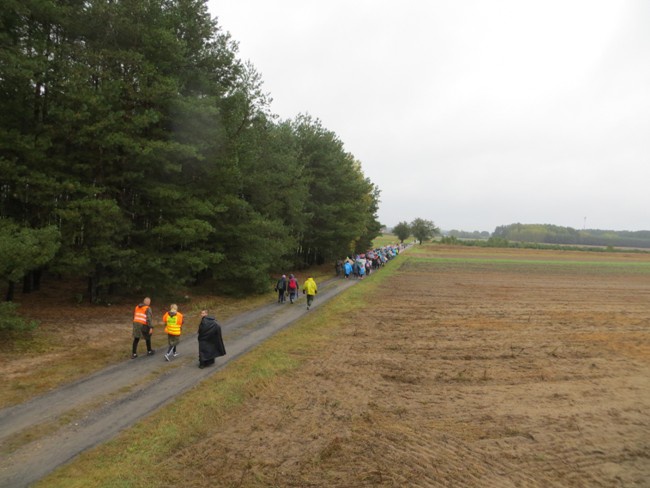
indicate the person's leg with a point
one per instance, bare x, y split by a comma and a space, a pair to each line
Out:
136, 333
147, 339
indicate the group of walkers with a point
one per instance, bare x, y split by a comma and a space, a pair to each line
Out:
289, 288
360, 265
210, 339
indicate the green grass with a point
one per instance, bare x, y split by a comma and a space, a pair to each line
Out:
636, 267
143, 452
385, 240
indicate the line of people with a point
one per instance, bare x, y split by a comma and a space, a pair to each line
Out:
289, 288
360, 265
210, 338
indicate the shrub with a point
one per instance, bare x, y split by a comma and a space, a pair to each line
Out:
11, 321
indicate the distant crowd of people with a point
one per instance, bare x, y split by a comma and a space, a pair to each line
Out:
360, 265
210, 339
356, 266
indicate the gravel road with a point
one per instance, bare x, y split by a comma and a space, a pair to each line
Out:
120, 395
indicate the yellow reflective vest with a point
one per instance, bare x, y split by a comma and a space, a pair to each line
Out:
173, 323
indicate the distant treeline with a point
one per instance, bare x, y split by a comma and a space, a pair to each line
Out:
137, 151
552, 234
462, 234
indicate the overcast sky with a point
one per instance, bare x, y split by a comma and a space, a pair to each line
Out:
471, 114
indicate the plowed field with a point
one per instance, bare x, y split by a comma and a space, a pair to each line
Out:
467, 367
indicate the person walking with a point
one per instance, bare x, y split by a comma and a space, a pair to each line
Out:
310, 289
293, 288
281, 288
210, 340
142, 327
173, 321
347, 269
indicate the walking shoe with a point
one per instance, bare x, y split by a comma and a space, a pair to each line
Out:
151, 353
167, 357
134, 355
176, 354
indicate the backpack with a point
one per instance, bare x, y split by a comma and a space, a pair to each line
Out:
293, 284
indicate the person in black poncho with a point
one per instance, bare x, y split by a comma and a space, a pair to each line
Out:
210, 340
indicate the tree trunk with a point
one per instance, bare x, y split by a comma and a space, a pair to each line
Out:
11, 286
32, 281
92, 290
37, 274
28, 282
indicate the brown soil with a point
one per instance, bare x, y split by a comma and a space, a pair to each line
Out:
462, 375
454, 374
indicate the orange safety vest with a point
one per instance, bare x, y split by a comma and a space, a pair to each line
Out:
140, 315
173, 323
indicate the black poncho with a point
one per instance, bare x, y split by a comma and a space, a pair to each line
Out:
210, 340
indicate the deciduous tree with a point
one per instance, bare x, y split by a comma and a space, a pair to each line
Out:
423, 230
402, 230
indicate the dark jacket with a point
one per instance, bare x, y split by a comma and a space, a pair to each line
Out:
210, 340
281, 285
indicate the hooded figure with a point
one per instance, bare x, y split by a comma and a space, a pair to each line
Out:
293, 286
310, 289
210, 340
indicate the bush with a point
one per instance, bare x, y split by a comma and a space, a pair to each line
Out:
11, 321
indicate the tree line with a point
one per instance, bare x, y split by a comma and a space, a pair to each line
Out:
421, 229
553, 234
139, 152
515, 234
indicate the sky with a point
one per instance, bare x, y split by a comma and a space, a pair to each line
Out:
471, 114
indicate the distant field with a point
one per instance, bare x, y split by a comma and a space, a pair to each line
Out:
385, 240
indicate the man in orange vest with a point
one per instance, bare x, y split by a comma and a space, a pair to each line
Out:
142, 326
173, 321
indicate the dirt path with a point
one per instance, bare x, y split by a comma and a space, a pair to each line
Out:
108, 401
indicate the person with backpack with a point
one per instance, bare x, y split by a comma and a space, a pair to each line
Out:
281, 288
293, 288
